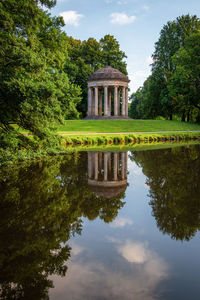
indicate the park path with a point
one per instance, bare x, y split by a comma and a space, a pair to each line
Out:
128, 132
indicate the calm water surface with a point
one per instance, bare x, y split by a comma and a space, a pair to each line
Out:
102, 225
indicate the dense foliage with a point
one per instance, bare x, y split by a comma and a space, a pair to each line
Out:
170, 89
35, 92
43, 75
88, 56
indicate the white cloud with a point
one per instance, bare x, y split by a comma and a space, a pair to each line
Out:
71, 17
134, 252
121, 18
138, 77
97, 279
145, 7
137, 171
76, 249
138, 253
121, 222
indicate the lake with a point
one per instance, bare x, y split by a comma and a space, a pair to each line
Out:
102, 225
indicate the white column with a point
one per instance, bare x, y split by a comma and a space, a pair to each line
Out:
96, 101
100, 161
119, 102
105, 166
92, 102
115, 100
100, 103
126, 101
123, 164
109, 102
123, 101
89, 164
105, 101
89, 101
96, 166
126, 162
109, 162
115, 165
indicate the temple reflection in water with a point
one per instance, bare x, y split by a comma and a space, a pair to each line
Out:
107, 173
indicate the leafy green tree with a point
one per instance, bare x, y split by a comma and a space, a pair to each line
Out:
144, 103
35, 92
172, 37
79, 66
156, 98
136, 100
111, 53
184, 85
88, 56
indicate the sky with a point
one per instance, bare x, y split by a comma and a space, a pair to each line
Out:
136, 24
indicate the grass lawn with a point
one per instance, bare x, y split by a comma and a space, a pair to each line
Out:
98, 126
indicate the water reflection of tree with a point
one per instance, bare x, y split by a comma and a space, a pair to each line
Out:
40, 208
173, 177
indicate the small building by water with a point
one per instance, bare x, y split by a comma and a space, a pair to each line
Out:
108, 94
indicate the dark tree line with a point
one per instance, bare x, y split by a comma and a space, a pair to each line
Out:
173, 87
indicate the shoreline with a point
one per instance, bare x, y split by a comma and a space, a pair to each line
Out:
101, 142
128, 138
128, 132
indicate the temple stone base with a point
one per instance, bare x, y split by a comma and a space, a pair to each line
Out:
107, 118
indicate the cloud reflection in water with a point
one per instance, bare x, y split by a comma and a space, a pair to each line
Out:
87, 279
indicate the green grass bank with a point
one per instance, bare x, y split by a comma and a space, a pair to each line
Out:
78, 135
124, 132
125, 139
132, 147
101, 126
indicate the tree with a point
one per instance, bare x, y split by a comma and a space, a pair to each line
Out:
172, 37
88, 56
144, 104
136, 99
35, 93
80, 65
111, 53
184, 84
156, 97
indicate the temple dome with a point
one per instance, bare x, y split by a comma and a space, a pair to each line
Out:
108, 73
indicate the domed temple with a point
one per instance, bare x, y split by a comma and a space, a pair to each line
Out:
107, 173
108, 94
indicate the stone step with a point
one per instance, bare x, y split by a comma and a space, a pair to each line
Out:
107, 118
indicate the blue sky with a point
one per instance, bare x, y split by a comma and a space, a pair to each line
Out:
136, 24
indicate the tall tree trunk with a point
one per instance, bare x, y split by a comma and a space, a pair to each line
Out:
183, 117
170, 117
188, 116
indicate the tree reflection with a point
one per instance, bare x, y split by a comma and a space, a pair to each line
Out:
173, 177
41, 206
